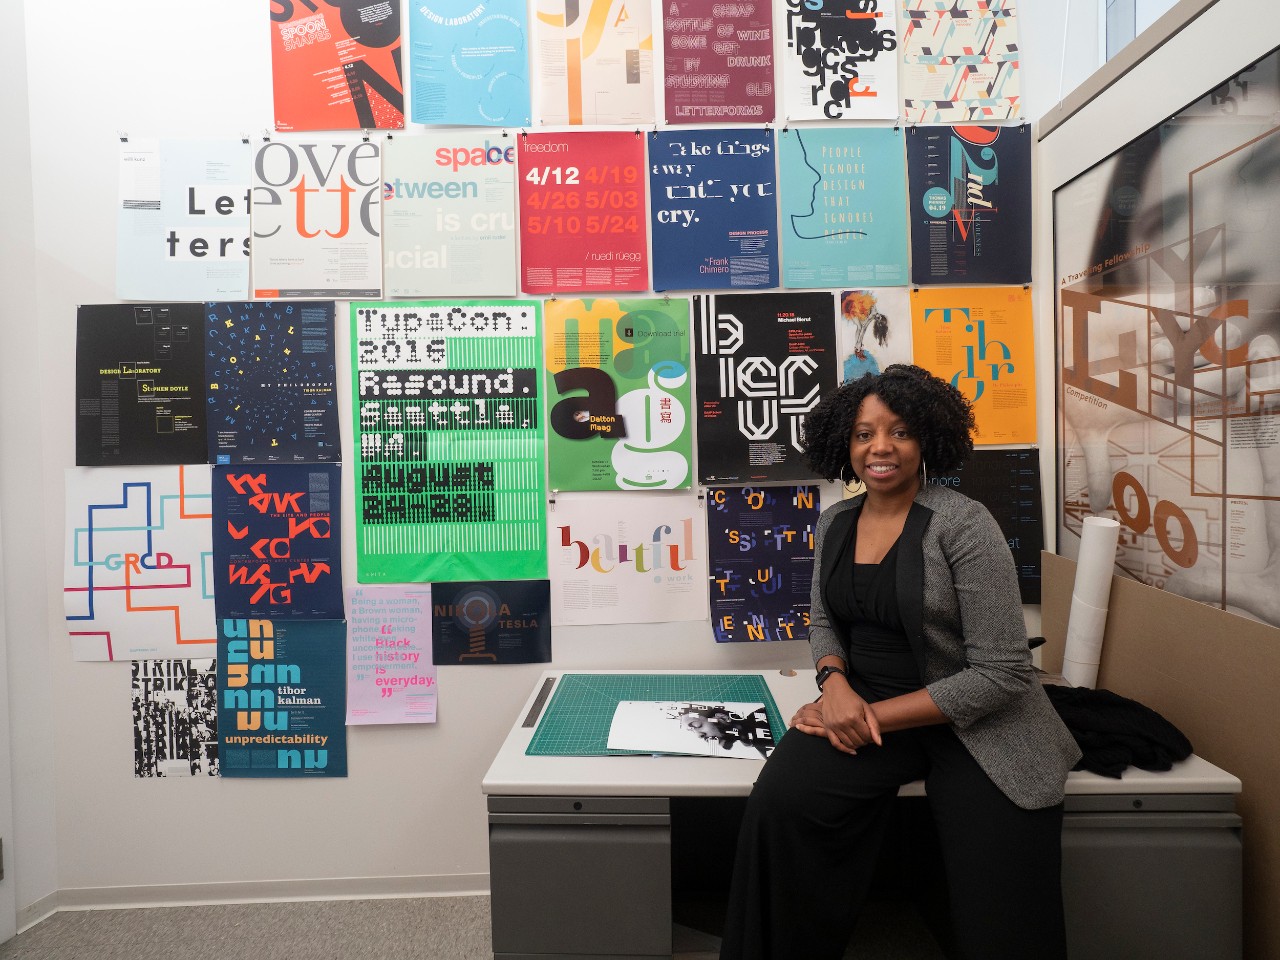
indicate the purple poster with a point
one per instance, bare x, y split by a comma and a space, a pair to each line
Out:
718, 59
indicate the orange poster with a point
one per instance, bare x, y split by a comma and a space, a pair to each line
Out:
980, 339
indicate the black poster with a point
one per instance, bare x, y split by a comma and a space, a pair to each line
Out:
139, 384
970, 202
764, 360
494, 622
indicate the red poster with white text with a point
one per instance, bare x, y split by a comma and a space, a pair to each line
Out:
335, 64
582, 214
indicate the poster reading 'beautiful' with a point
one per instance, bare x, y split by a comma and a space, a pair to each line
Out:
718, 61
595, 61
839, 61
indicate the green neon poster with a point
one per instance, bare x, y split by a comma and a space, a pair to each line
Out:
450, 460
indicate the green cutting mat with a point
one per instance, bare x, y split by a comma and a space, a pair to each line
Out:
575, 723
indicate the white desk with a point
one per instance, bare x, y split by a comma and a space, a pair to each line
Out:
580, 848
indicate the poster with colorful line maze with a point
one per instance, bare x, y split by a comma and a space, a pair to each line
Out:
451, 459
138, 563
272, 393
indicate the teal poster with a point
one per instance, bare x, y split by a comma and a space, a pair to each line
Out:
844, 207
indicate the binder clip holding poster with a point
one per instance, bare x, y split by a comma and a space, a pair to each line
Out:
1089, 598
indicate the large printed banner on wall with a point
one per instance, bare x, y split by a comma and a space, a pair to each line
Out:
873, 330
844, 197
618, 394
138, 564
451, 455
980, 340
469, 62
182, 227
449, 215
317, 219
336, 65
582, 220
714, 209
761, 568
764, 360
960, 62
840, 60
596, 61
623, 559
718, 61
970, 204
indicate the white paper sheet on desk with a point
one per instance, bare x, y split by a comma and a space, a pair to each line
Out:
687, 728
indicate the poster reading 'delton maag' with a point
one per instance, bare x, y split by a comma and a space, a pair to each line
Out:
469, 62
844, 201
714, 209
336, 65
596, 60
282, 698
175, 718
582, 219
760, 541
718, 61
960, 61
624, 559
493, 622
140, 384
763, 362
451, 458
317, 219
619, 394
970, 204
276, 545
390, 676
449, 214
980, 340
840, 60
873, 328
272, 383
182, 231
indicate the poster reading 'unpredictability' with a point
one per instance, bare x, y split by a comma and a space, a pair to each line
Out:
595, 61
960, 62
491, 622
390, 676
839, 61
451, 455
760, 542
175, 718
718, 61
763, 362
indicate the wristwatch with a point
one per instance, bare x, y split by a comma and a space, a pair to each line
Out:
825, 672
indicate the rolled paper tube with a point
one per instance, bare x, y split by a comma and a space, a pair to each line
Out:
1080, 674
1096, 561
1085, 627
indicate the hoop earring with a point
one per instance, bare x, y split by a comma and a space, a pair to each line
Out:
853, 477
924, 474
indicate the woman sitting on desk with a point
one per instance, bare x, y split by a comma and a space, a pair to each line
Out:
924, 673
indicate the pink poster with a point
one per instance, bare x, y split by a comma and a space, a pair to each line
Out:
718, 60
390, 675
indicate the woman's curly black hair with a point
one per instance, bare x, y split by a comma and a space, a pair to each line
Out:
936, 413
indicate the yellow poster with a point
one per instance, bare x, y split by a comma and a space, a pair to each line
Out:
981, 340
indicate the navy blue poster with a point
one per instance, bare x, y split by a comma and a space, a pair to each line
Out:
760, 545
271, 382
714, 209
282, 698
276, 547
970, 196
492, 622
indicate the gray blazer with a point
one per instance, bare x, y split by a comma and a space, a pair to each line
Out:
960, 605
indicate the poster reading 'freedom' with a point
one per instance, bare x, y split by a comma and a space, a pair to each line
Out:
718, 61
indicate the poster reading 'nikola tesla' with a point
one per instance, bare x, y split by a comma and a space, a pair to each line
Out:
1169, 348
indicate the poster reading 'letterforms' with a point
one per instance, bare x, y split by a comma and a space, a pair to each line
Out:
492, 622
840, 60
619, 394
175, 718
596, 61
960, 61
763, 362
336, 65
272, 383
873, 328
718, 65
451, 458
970, 204
390, 676
760, 541
282, 705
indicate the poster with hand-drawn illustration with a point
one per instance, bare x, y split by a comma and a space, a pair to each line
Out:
873, 329
175, 718
619, 394
491, 622
960, 63
760, 548
970, 204
595, 61
763, 362
840, 60
390, 676
718, 61
1169, 349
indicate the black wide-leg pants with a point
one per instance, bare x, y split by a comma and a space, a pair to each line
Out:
814, 826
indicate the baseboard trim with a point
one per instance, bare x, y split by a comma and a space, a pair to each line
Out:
33, 914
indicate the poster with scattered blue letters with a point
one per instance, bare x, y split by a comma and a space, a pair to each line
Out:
760, 545
282, 697
272, 382
713, 208
844, 202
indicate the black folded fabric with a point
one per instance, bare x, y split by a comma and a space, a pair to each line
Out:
1115, 732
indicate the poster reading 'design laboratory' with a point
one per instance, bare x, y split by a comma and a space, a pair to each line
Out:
492, 622
390, 676
763, 362
960, 61
718, 61
840, 60
596, 59
760, 541
175, 718
450, 449
714, 209
582, 217
970, 204
282, 698
619, 394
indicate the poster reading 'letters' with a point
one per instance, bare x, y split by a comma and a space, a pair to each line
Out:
839, 61
595, 61
763, 362
451, 457
619, 394
390, 676
960, 62
718, 61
